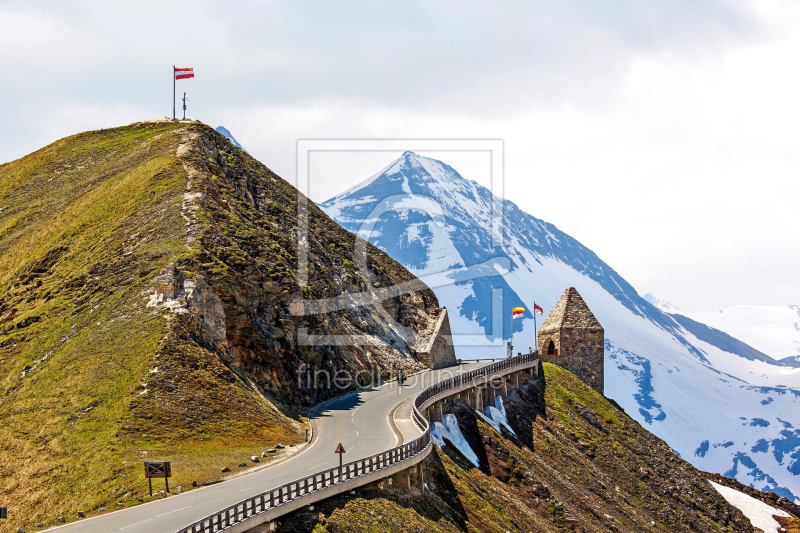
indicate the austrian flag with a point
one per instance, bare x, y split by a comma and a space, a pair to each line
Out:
538, 310
181, 73
516, 312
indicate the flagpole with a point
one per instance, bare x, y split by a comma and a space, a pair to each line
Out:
511, 342
173, 92
535, 330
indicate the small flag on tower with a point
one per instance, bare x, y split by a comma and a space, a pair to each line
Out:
517, 311
538, 310
181, 73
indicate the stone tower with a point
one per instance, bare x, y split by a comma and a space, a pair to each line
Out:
572, 338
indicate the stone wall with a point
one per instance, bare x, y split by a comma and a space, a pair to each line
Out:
437, 350
580, 351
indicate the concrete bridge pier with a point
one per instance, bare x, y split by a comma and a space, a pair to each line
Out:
477, 393
466, 397
402, 479
434, 412
413, 476
418, 475
438, 411
489, 395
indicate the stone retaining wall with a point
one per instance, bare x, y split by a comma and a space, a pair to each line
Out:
437, 351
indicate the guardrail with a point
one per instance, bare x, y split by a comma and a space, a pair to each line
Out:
272, 499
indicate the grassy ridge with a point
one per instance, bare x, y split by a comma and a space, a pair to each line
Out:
85, 224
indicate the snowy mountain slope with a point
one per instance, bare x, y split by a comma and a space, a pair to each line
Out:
773, 330
714, 336
661, 304
718, 402
223, 130
723, 340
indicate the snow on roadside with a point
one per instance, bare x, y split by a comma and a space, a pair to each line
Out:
450, 431
496, 416
759, 513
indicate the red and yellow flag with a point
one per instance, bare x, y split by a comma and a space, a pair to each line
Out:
517, 311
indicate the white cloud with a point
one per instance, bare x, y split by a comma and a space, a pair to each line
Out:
671, 126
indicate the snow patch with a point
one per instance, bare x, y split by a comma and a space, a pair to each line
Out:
450, 431
759, 513
496, 416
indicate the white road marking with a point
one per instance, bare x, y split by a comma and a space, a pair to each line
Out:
175, 511
136, 524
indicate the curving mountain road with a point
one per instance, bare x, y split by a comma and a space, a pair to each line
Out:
366, 422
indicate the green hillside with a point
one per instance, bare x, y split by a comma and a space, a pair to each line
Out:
146, 279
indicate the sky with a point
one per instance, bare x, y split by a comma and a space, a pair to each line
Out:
663, 135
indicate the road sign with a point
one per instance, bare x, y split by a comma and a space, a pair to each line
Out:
157, 470
340, 451
3, 513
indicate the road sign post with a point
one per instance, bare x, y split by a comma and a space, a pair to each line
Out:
157, 470
341, 452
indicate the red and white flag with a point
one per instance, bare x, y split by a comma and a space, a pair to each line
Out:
538, 310
181, 73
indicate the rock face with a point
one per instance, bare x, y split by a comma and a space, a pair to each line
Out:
194, 303
572, 338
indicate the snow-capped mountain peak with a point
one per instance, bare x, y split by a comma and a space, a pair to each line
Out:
224, 131
660, 367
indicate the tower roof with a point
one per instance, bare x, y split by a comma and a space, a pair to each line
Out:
570, 312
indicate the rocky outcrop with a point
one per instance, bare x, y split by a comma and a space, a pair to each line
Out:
193, 303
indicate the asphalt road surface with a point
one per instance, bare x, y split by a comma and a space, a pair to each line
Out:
362, 422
